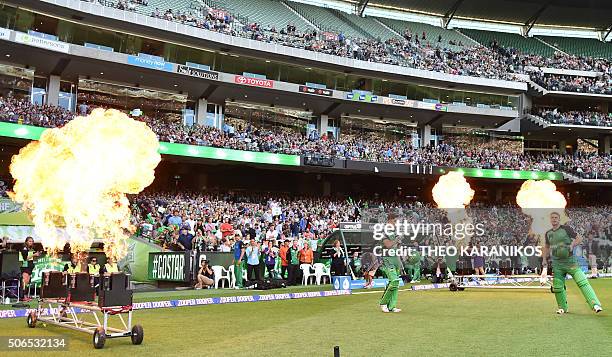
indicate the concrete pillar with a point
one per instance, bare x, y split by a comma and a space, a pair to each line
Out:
322, 124
219, 118
201, 111
326, 188
525, 104
425, 135
604, 144
53, 89
562, 144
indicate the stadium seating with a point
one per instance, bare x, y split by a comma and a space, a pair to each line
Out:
581, 47
163, 5
510, 40
265, 12
432, 33
368, 24
329, 20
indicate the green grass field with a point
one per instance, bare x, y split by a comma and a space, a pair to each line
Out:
439, 322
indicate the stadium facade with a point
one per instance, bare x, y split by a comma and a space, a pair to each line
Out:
70, 53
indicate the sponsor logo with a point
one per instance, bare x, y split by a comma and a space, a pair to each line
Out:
196, 72
42, 42
5, 33
362, 97
398, 102
317, 91
350, 226
148, 62
256, 82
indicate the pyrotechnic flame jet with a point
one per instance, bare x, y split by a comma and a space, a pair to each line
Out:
76, 178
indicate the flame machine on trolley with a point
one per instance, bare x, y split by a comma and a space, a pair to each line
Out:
66, 298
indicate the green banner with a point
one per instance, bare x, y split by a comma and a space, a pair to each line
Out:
206, 152
503, 174
46, 263
169, 266
136, 261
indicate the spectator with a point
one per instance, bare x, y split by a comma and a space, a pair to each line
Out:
283, 251
293, 260
338, 264
253, 253
270, 258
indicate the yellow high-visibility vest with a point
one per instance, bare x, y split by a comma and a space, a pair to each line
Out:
111, 268
24, 263
72, 270
93, 268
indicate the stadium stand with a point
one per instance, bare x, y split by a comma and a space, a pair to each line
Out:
267, 13
329, 20
581, 47
509, 40
450, 39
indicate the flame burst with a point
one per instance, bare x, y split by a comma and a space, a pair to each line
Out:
77, 177
538, 199
453, 193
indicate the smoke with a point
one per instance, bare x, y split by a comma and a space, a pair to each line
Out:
77, 177
538, 199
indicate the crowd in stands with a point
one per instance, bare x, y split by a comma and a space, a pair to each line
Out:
213, 221
412, 50
242, 135
576, 117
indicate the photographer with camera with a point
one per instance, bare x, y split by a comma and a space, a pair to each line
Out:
205, 276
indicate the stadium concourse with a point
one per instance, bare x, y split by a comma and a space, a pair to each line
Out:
243, 135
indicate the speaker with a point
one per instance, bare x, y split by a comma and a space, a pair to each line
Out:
54, 285
464, 267
9, 265
505, 267
81, 287
113, 290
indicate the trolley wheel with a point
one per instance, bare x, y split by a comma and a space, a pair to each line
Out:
452, 287
99, 337
32, 319
137, 334
460, 288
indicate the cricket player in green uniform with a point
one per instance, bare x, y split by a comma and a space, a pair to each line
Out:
560, 242
414, 263
391, 267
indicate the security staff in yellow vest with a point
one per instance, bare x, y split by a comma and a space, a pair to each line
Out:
93, 267
110, 267
74, 266
26, 258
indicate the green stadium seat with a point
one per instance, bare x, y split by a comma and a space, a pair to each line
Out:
265, 12
580, 46
510, 40
431, 32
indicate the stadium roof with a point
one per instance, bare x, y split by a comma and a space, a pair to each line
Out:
596, 14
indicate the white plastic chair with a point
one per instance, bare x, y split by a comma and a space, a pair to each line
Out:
320, 271
307, 273
232, 276
221, 274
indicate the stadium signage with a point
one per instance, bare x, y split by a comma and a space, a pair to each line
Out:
5, 34
169, 266
197, 72
398, 102
255, 82
360, 97
317, 91
148, 62
42, 42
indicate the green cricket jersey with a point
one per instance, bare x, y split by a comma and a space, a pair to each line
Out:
559, 241
391, 263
